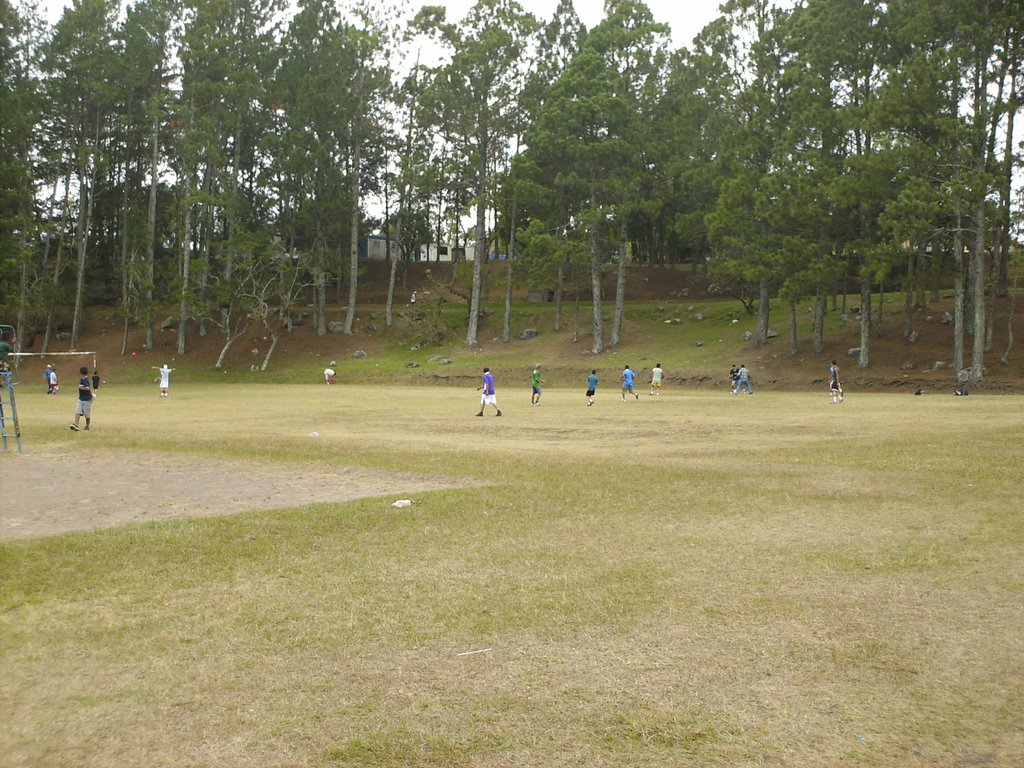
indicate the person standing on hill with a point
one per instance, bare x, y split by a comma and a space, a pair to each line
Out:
536, 382
627, 384
84, 405
743, 380
591, 386
488, 397
835, 385
656, 375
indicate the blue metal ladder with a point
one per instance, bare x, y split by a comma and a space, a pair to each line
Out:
9, 411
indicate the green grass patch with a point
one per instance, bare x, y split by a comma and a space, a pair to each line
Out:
694, 579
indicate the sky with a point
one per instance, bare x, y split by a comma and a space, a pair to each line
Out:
685, 17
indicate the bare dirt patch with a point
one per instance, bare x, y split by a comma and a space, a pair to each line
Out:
56, 493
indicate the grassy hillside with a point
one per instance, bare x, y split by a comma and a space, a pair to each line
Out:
695, 338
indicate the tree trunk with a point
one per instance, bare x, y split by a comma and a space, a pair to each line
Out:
128, 277
990, 310
58, 265
620, 285
881, 309
320, 286
480, 254
506, 330
921, 260
820, 307
908, 297
763, 312
87, 176
596, 272
19, 322
186, 264
353, 244
231, 334
205, 233
1009, 324
865, 322
273, 344
979, 261
1002, 270
576, 313
559, 290
389, 317
154, 170
792, 330
230, 217
958, 290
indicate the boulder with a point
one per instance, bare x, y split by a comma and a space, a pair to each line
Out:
336, 327
168, 324
359, 354
853, 351
529, 333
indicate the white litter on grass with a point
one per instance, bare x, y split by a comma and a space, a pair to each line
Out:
314, 434
470, 653
402, 503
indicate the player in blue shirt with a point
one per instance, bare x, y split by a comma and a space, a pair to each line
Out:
591, 386
627, 384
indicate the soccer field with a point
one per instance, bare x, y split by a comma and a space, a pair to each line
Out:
693, 579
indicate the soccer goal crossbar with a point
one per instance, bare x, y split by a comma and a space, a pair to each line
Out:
19, 355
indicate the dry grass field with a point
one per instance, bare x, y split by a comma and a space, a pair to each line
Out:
689, 580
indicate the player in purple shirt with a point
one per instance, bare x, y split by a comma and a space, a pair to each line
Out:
488, 397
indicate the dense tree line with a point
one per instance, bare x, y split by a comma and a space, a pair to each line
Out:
219, 155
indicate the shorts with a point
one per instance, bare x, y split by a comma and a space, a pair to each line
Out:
536, 390
655, 385
590, 393
84, 408
489, 400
